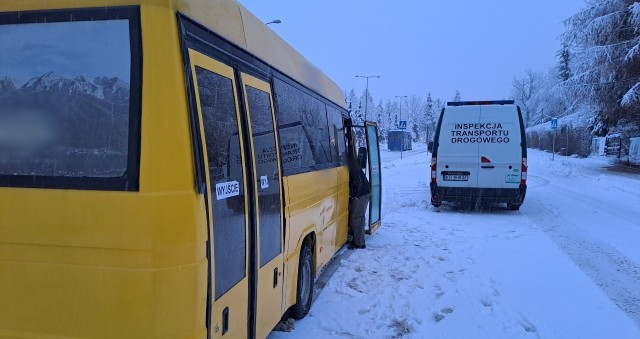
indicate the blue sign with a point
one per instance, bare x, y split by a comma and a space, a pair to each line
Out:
402, 124
554, 123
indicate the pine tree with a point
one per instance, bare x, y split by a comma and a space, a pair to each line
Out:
457, 96
380, 119
564, 58
429, 121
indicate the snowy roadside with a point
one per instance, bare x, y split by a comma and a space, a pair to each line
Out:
494, 273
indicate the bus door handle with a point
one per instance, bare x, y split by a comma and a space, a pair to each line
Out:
275, 277
488, 166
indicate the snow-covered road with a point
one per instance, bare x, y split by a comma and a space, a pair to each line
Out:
567, 265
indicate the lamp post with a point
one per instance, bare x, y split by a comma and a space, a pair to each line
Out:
400, 121
366, 92
276, 21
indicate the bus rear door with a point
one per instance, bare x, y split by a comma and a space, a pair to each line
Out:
267, 201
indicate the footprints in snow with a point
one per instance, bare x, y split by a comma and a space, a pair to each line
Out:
527, 326
439, 316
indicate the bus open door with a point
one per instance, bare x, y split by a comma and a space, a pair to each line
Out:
365, 139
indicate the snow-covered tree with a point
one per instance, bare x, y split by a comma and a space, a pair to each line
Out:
368, 104
415, 115
604, 41
524, 90
382, 122
353, 103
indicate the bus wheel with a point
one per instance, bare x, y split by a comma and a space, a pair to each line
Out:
304, 295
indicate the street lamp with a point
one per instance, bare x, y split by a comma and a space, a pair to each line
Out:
276, 21
400, 121
366, 92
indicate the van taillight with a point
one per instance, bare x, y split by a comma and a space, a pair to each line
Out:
523, 178
434, 165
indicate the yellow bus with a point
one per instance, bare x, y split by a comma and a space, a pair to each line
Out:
168, 168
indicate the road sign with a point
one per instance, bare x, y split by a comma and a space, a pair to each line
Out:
402, 124
554, 123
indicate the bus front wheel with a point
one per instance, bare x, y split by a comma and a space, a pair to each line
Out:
304, 294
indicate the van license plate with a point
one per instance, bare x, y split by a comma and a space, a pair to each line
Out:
456, 177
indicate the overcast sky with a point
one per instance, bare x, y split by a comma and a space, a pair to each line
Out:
417, 46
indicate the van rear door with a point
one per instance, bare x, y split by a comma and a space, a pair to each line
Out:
458, 160
500, 150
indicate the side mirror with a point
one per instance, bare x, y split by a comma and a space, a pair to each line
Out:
362, 157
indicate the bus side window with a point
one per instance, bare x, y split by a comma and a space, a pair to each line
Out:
337, 134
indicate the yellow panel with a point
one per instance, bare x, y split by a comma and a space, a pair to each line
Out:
236, 301
168, 164
77, 263
315, 202
343, 207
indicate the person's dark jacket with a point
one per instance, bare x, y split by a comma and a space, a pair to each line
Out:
358, 182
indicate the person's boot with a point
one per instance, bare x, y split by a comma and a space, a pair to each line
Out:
353, 246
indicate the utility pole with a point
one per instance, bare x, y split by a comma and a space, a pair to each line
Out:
366, 92
402, 139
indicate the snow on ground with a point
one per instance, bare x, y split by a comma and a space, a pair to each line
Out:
567, 265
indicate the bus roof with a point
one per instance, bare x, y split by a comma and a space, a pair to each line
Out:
227, 18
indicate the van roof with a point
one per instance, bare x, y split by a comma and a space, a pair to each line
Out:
487, 102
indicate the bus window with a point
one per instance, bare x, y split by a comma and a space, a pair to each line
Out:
303, 130
264, 149
337, 135
66, 104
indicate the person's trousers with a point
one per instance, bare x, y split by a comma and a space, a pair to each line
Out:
357, 208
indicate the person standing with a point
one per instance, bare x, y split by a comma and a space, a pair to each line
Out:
359, 194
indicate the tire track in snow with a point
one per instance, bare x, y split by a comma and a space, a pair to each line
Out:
616, 275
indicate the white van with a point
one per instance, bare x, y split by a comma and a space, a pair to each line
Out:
479, 154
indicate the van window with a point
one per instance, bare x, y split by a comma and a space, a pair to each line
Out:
65, 102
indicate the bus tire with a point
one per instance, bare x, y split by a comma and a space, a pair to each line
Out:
304, 293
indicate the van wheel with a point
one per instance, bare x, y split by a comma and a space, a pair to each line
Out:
304, 294
513, 207
436, 204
